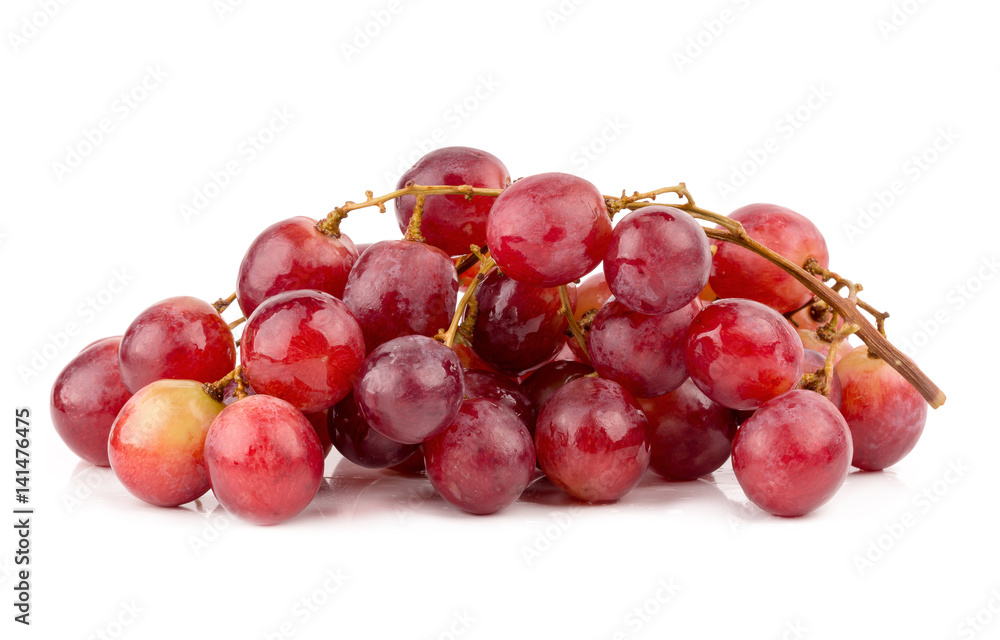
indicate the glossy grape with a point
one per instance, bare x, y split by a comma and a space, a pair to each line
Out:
483, 460
741, 353
304, 347
157, 442
180, 338
643, 353
452, 223
593, 440
518, 326
793, 454
410, 389
361, 444
399, 288
549, 229
265, 460
692, 435
740, 273
86, 398
658, 260
885, 413
290, 255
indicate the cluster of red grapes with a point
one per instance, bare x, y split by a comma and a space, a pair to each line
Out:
674, 357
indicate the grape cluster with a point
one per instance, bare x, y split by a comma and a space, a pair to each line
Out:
683, 350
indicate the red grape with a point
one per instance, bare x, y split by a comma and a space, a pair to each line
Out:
793, 454
304, 347
658, 260
885, 413
483, 460
452, 223
156, 445
518, 326
741, 353
290, 255
86, 398
740, 273
361, 444
400, 288
410, 389
549, 229
692, 435
593, 440
180, 338
644, 354
265, 460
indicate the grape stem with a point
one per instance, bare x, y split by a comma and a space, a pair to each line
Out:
574, 327
448, 337
821, 381
731, 231
223, 303
236, 323
216, 389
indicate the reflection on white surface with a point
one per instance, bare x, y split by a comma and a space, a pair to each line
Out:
354, 492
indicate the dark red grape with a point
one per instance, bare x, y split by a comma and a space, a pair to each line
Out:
593, 440
741, 353
265, 460
304, 347
290, 255
156, 445
885, 413
452, 223
549, 229
793, 454
813, 361
410, 389
399, 288
483, 460
180, 338
518, 326
658, 260
644, 354
412, 466
86, 398
361, 444
502, 390
740, 273
549, 378
692, 435
319, 420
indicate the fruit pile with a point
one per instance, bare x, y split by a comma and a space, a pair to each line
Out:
693, 343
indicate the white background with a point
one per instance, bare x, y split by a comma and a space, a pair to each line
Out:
539, 81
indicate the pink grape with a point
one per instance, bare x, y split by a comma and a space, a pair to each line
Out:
885, 413
593, 440
740, 273
741, 353
549, 229
658, 260
793, 454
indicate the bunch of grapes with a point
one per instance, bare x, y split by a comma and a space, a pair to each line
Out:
692, 344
